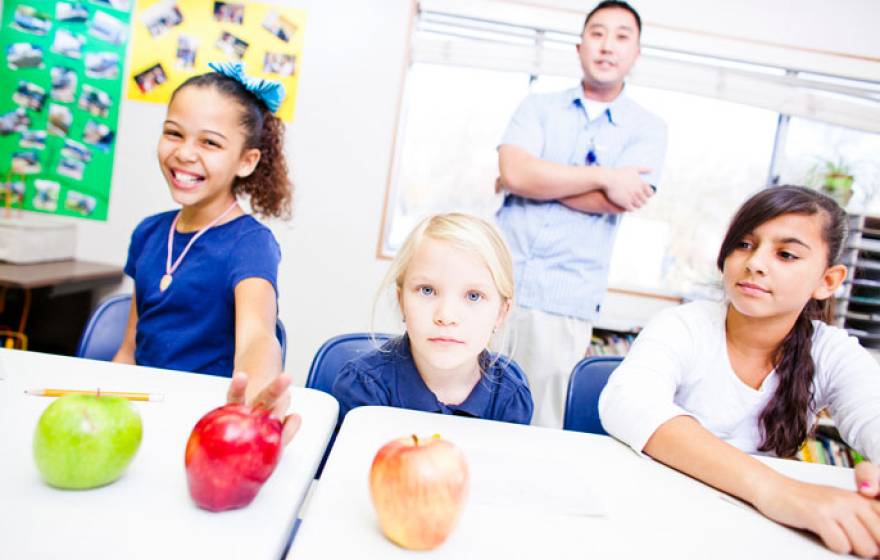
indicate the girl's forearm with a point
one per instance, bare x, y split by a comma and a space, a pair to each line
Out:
685, 445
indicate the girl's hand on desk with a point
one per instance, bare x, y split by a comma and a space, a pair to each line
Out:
845, 521
868, 479
274, 397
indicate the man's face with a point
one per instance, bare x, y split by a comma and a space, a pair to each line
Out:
609, 48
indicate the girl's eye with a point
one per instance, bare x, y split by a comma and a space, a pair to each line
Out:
212, 143
785, 255
474, 296
744, 245
426, 290
173, 133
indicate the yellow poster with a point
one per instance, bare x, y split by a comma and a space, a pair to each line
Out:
176, 39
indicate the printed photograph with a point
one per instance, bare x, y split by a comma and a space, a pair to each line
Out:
80, 203
94, 101
279, 63
63, 84
25, 163
229, 12
102, 65
117, 4
34, 139
29, 20
231, 45
75, 150
24, 55
151, 78
71, 168
13, 188
279, 26
107, 28
72, 12
187, 47
14, 121
60, 119
68, 44
98, 135
161, 17
46, 196
29, 95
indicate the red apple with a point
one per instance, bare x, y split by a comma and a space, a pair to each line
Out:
231, 452
418, 487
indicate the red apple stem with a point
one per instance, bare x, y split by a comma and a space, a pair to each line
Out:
415, 440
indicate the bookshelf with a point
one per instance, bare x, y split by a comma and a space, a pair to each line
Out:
826, 447
858, 307
624, 312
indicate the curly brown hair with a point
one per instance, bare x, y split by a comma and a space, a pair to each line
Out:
268, 187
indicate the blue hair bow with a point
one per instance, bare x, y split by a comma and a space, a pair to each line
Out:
269, 92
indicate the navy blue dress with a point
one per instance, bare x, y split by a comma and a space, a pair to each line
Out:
191, 326
388, 376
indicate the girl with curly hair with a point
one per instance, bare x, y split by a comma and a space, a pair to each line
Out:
205, 297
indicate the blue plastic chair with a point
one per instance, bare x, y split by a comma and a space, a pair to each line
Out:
584, 387
334, 353
105, 330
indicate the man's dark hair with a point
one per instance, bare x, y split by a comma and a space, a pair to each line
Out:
606, 4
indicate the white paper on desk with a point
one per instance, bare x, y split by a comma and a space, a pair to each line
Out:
533, 483
2, 371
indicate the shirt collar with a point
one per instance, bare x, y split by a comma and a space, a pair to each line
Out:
414, 394
617, 109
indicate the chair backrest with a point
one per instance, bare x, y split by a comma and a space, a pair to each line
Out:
584, 387
105, 330
334, 353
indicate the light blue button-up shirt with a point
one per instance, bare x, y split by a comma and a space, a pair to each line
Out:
561, 255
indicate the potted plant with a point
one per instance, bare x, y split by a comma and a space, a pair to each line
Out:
834, 178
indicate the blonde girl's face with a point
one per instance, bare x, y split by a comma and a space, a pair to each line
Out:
201, 149
776, 269
450, 305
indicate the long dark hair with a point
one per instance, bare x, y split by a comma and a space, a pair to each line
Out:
785, 419
268, 187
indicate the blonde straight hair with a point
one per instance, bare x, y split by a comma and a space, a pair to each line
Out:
463, 231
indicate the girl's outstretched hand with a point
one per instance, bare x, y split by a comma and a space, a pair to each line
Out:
868, 479
847, 522
274, 397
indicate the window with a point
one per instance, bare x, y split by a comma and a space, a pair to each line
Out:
734, 127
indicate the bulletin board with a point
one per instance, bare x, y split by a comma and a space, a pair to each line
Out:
60, 88
176, 39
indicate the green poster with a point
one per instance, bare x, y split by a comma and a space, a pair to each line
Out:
60, 91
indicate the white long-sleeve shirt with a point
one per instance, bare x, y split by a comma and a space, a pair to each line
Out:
679, 365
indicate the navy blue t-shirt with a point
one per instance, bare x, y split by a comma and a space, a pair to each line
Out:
191, 325
388, 376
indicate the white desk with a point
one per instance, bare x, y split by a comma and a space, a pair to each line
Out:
651, 511
148, 512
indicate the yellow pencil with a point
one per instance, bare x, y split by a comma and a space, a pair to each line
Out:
151, 397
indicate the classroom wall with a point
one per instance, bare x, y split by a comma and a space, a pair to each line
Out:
340, 145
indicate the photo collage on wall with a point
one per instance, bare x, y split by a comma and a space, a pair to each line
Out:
176, 39
60, 90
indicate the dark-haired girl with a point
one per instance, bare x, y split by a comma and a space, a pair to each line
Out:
707, 383
205, 297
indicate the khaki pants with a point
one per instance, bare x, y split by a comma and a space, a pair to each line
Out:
547, 347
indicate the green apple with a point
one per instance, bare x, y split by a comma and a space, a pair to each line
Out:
84, 441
